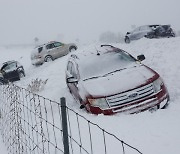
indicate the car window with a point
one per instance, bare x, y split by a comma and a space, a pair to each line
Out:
160, 30
58, 44
73, 72
145, 28
10, 67
110, 61
50, 46
136, 30
40, 49
166, 27
69, 67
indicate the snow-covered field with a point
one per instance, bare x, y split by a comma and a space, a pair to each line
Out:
151, 133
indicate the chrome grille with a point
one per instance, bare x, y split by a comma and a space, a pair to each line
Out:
130, 96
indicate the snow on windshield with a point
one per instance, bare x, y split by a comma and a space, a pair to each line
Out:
104, 64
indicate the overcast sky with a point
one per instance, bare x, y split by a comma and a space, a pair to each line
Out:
23, 20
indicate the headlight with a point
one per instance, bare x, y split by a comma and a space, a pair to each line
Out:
157, 84
101, 103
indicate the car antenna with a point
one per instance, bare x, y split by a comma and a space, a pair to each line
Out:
98, 52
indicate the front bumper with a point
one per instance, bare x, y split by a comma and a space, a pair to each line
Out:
158, 100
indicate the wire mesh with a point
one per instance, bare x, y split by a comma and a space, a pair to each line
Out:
32, 124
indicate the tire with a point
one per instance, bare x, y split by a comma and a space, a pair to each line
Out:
127, 40
72, 48
48, 59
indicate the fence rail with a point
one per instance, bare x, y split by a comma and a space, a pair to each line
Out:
32, 124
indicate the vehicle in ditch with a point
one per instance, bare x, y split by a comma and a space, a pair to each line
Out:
108, 80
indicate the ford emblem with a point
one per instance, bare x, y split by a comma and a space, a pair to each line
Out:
133, 95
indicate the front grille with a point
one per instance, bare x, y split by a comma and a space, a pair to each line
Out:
119, 100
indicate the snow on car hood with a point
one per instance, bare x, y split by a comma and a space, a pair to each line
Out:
119, 81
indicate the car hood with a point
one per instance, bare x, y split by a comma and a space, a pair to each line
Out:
117, 82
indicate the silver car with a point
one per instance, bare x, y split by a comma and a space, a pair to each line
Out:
139, 32
50, 51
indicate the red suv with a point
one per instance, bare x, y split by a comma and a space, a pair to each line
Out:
108, 80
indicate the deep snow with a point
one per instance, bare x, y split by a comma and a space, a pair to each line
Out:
157, 132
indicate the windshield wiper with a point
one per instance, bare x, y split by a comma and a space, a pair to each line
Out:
94, 77
113, 72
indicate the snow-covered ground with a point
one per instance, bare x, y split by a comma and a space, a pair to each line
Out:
151, 133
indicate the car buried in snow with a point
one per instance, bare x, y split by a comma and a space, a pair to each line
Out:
108, 80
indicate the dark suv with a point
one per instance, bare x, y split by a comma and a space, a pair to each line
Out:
149, 31
11, 71
161, 31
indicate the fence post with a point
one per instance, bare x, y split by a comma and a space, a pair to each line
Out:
64, 126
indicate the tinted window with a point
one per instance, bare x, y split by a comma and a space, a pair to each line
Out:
166, 27
160, 29
57, 44
50, 46
40, 49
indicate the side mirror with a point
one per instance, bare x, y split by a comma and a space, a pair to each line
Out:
140, 57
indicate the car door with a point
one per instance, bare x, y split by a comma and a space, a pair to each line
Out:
135, 34
144, 30
60, 49
51, 50
72, 73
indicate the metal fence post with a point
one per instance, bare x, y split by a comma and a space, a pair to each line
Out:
64, 126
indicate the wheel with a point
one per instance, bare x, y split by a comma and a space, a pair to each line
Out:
48, 59
127, 40
72, 48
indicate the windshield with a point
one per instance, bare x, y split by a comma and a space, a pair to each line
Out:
9, 67
105, 64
